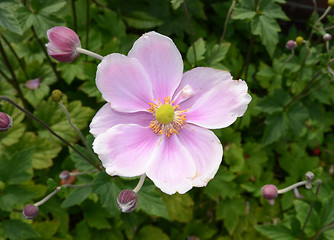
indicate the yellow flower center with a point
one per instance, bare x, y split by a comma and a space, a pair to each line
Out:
168, 119
165, 114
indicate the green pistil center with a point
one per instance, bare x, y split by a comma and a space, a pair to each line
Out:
165, 114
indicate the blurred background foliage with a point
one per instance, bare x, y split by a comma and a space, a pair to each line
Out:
286, 131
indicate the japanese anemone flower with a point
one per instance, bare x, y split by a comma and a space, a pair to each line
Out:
156, 118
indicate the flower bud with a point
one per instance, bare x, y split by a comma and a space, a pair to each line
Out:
64, 175
127, 201
56, 95
30, 211
299, 40
6, 122
269, 191
33, 83
331, 3
290, 44
63, 43
327, 37
309, 176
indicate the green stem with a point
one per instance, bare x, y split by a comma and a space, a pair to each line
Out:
323, 230
87, 24
13, 81
74, 15
311, 208
16, 56
46, 54
190, 29
29, 114
249, 54
63, 108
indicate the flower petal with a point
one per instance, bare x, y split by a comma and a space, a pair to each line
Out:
125, 149
206, 150
200, 80
107, 118
162, 61
124, 83
172, 168
220, 106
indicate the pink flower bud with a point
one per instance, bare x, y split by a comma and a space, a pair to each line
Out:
63, 43
33, 83
269, 191
327, 37
6, 122
30, 211
64, 175
290, 44
127, 201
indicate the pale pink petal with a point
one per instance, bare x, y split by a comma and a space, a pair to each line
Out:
172, 168
162, 61
198, 81
220, 106
124, 83
107, 117
206, 151
125, 150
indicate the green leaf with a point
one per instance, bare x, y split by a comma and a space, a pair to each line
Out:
80, 163
245, 9
16, 168
46, 229
108, 190
15, 195
176, 3
302, 209
274, 102
217, 53
272, 10
77, 196
8, 19
229, 210
95, 215
267, 29
180, 207
277, 232
234, 157
327, 212
34, 96
16, 230
152, 233
151, 202
142, 20
297, 116
277, 127
200, 49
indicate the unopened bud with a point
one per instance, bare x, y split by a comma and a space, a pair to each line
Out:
6, 122
63, 43
331, 3
299, 40
291, 44
64, 175
56, 95
327, 37
309, 176
127, 201
269, 191
30, 211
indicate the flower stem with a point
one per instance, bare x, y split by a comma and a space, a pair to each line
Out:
63, 108
83, 173
311, 207
140, 183
29, 114
323, 230
74, 15
87, 23
190, 29
48, 196
284, 190
89, 53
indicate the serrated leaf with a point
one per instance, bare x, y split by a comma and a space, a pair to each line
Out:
297, 116
327, 212
108, 190
274, 102
80, 163
200, 49
277, 127
234, 157
176, 3
218, 53
151, 202
15, 195
8, 19
180, 207
272, 10
10, 229
245, 9
152, 233
95, 215
277, 232
302, 209
77, 196
16, 168
267, 28
46, 229
34, 96
142, 20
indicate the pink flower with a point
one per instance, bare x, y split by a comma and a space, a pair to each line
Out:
63, 44
156, 118
33, 83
